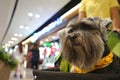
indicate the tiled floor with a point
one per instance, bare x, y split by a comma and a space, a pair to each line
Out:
27, 75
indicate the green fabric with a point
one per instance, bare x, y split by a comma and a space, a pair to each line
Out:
112, 40
114, 43
116, 50
64, 66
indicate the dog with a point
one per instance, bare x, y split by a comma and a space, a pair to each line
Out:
84, 46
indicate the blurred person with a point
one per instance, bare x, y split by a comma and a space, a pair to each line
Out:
35, 57
102, 9
28, 58
20, 57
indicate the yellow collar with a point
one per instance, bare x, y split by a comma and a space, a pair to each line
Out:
105, 61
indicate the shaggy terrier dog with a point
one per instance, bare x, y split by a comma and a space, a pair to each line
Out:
84, 46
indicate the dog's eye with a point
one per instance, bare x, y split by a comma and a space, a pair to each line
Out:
71, 30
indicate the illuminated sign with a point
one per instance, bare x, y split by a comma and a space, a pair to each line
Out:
46, 29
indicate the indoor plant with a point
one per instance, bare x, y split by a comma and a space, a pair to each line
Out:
7, 63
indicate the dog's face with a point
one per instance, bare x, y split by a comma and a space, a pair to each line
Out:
82, 41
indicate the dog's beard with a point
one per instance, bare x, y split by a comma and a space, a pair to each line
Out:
84, 50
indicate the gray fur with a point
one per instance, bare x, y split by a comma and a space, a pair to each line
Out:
82, 41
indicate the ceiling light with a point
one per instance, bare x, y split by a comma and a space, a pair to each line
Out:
26, 27
30, 14
16, 34
20, 35
10, 42
14, 39
21, 26
37, 16
7, 44
3, 46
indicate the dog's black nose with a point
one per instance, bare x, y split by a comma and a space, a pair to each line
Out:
72, 37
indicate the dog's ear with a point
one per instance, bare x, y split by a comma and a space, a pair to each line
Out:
97, 23
88, 24
103, 24
106, 23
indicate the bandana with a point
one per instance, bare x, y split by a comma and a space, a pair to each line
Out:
105, 61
